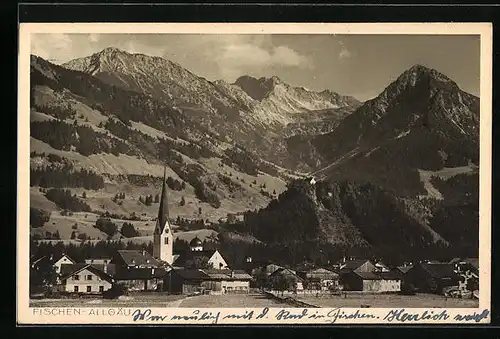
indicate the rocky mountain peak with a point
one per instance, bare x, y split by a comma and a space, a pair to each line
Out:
258, 89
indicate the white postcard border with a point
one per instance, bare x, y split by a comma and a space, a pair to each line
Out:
27, 315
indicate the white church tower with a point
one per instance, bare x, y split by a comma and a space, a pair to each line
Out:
163, 243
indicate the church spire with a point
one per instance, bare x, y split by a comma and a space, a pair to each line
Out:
163, 215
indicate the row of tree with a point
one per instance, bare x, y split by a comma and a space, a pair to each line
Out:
83, 139
64, 199
58, 177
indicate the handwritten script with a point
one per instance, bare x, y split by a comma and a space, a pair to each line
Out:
309, 315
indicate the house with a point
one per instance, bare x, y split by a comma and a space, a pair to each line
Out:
84, 278
403, 269
319, 279
266, 269
98, 261
371, 281
134, 259
468, 270
286, 279
141, 278
55, 261
432, 277
198, 257
212, 281
381, 266
357, 265
471, 264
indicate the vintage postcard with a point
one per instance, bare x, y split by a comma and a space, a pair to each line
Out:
254, 173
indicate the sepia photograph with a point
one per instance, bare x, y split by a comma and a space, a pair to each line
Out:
255, 170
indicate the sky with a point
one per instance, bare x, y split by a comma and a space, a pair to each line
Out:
357, 65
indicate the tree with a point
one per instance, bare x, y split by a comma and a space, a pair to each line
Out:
183, 201
200, 262
261, 279
56, 235
38, 217
472, 284
84, 195
106, 226
157, 198
82, 236
283, 282
73, 235
128, 230
199, 210
43, 277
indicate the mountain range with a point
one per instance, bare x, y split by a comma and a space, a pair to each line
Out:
403, 165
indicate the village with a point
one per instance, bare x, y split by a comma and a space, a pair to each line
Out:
200, 271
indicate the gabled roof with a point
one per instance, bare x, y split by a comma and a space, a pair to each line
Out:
140, 273
191, 274
72, 269
393, 275
46, 259
285, 271
320, 270
474, 262
354, 264
225, 274
137, 258
182, 259
368, 275
404, 269
439, 270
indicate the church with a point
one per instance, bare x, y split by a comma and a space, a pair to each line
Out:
163, 244
197, 270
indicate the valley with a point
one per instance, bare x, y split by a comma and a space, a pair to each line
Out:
396, 172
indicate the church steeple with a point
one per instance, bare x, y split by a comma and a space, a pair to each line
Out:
162, 237
163, 215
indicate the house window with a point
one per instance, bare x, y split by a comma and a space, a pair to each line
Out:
75, 289
101, 289
166, 241
76, 277
89, 289
89, 277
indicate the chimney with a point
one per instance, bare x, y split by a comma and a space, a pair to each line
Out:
152, 271
232, 274
105, 268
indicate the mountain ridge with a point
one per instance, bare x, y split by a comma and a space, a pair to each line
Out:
374, 161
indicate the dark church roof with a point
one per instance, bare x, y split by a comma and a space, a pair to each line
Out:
163, 215
195, 242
